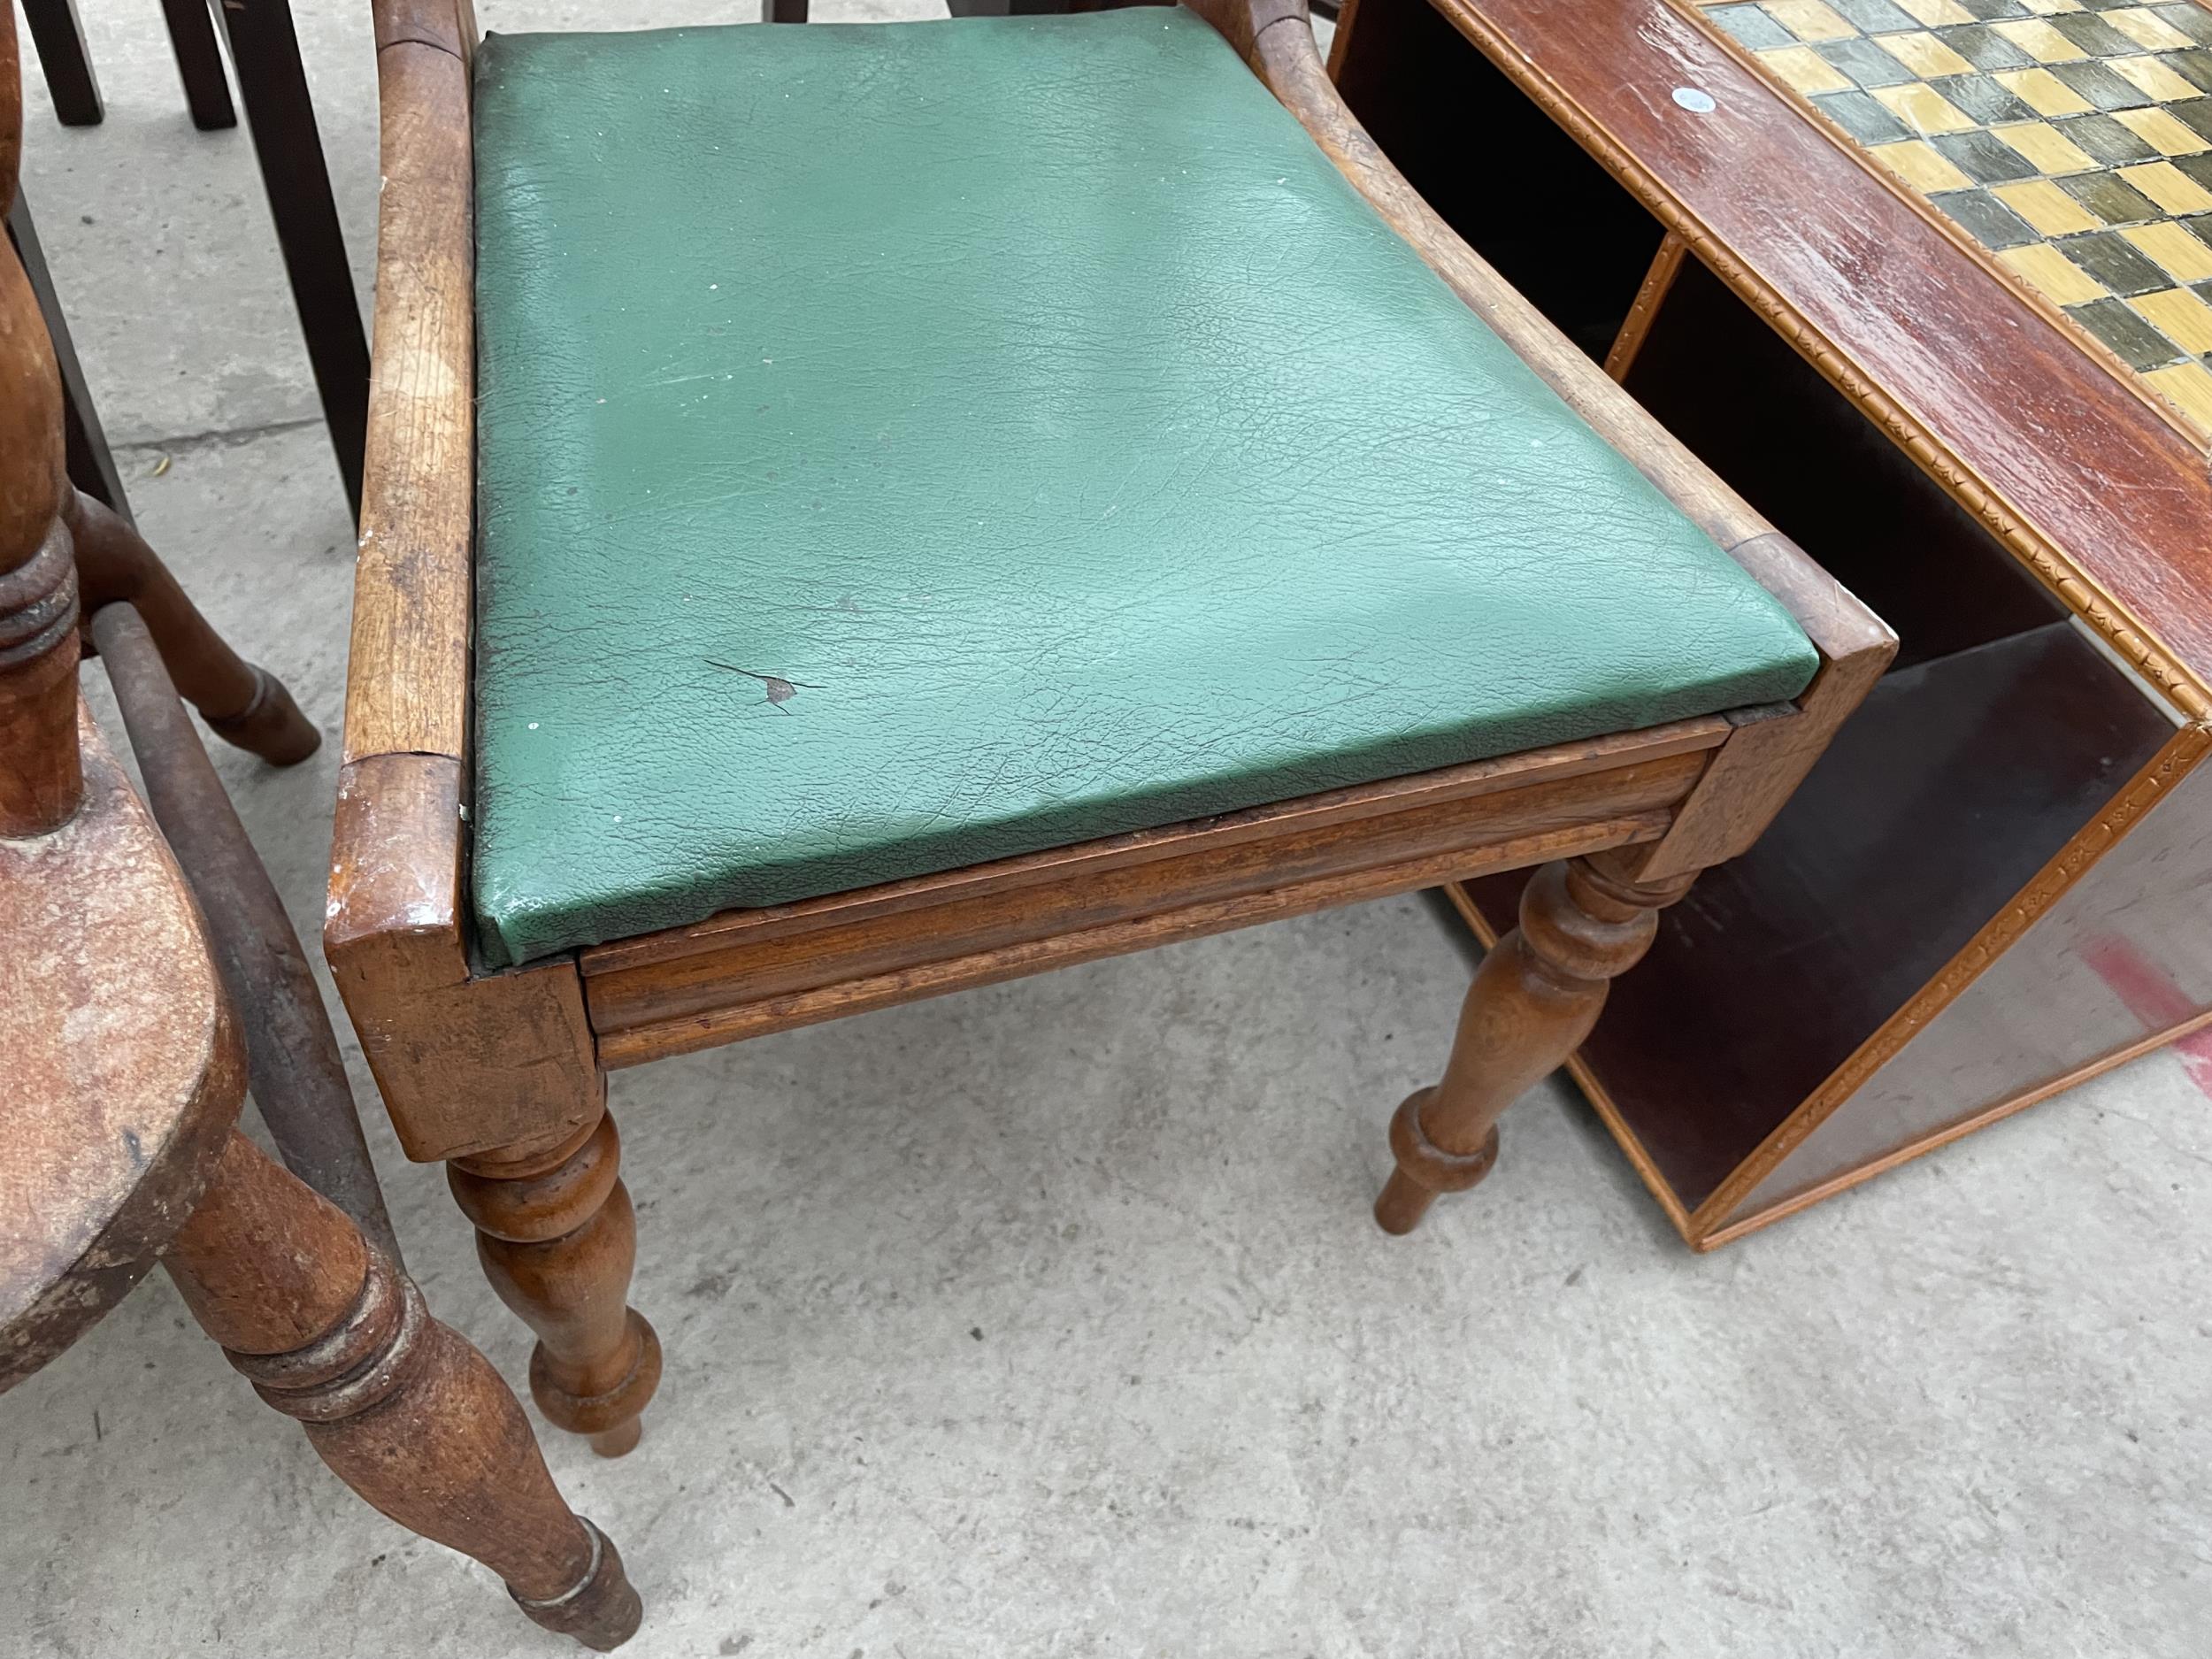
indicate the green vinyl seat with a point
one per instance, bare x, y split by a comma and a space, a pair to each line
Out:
904, 446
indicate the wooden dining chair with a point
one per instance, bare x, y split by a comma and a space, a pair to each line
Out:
857, 513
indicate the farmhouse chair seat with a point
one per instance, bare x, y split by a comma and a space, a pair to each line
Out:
905, 448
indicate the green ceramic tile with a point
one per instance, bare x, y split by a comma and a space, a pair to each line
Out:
1983, 158
2110, 197
1865, 63
1983, 98
1983, 47
1752, 27
1862, 117
2139, 344
2101, 85
2103, 139
1992, 10
1987, 220
1874, 17
2092, 34
2193, 65
2195, 113
2192, 21
2116, 262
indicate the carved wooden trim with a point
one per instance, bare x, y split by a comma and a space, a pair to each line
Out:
1644, 311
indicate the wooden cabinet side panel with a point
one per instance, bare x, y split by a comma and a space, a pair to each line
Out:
2124, 955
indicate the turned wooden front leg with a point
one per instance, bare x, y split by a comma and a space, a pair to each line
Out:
558, 1239
400, 1407
1534, 999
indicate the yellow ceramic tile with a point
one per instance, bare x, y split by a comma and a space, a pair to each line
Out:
1806, 69
2050, 150
2053, 274
2153, 77
2163, 131
1810, 20
2046, 8
2042, 91
1921, 167
1921, 107
2170, 186
2188, 386
2147, 29
2180, 316
1936, 13
2179, 254
2039, 40
2048, 208
1926, 56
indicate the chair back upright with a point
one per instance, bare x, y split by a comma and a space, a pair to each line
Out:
41, 774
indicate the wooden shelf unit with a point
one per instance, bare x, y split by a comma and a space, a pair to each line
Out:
1970, 904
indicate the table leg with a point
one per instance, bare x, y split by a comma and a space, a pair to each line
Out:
1532, 1001
1006, 8
265, 51
68, 66
199, 63
91, 467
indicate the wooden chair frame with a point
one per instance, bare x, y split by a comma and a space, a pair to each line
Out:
503, 1074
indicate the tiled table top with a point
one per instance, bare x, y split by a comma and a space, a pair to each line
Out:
2071, 140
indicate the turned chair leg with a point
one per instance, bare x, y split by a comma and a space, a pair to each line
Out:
558, 1239
1534, 999
400, 1407
243, 705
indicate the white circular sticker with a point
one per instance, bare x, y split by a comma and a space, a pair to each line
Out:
1695, 101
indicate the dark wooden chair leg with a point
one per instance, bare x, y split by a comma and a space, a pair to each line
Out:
91, 466
558, 1239
783, 10
1533, 999
1006, 8
68, 66
199, 63
264, 52
299, 1078
243, 705
399, 1406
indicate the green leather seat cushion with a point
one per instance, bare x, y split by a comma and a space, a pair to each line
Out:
907, 445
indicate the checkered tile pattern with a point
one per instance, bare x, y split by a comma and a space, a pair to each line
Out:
2070, 138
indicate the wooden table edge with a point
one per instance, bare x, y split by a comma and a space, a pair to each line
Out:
2136, 642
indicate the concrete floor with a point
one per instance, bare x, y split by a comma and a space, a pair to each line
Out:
1048, 1319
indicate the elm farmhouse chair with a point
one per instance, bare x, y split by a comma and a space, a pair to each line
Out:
125, 1058
126, 1069
124, 1053
125, 1074
855, 513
